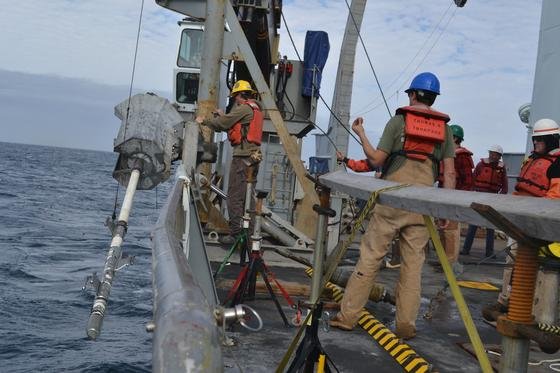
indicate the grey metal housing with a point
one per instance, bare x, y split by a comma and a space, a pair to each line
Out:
150, 132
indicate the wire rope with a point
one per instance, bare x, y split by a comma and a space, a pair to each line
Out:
130, 94
395, 80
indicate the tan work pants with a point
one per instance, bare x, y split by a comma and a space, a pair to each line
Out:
450, 238
384, 224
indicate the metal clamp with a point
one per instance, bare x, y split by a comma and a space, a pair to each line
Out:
240, 313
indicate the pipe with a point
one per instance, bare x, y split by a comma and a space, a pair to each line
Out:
99, 308
277, 233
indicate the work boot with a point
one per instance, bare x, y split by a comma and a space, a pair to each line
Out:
405, 333
489, 311
490, 254
339, 322
465, 252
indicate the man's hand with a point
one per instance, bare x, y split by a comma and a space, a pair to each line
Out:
357, 126
339, 156
199, 119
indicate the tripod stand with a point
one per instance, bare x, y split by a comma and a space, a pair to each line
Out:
245, 285
310, 351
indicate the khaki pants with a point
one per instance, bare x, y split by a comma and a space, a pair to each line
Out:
450, 238
413, 237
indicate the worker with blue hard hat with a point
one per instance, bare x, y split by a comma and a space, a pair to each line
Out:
411, 147
427, 82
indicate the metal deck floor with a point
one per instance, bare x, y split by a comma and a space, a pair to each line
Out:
438, 340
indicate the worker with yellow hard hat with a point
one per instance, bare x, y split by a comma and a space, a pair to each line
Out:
243, 125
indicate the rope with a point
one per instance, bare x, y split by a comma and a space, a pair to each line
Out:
129, 97
331, 266
368, 58
417, 66
395, 80
461, 304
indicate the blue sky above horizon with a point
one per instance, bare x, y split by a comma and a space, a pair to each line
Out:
66, 64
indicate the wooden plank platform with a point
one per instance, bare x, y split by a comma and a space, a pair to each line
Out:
536, 217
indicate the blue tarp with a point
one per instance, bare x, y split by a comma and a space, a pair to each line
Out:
318, 165
315, 55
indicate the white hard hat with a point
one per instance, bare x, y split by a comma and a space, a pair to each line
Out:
496, 148
543, 127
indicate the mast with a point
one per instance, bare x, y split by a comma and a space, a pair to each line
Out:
209, 85
341, 102
546, 87
344, 78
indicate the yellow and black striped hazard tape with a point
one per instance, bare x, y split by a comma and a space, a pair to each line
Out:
403, 354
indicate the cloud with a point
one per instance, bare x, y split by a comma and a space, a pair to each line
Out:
92, 40
66, 112
484, 55
485, 59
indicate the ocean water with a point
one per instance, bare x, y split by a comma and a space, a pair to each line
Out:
53, 203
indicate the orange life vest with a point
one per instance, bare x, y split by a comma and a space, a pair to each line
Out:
463, 165
424, 128
491, 177
251, 132
532, 179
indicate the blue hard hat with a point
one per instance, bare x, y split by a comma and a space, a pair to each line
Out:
425, 82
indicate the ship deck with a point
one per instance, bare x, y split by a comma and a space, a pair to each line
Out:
441, 341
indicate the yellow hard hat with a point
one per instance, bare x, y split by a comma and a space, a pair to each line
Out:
241, 86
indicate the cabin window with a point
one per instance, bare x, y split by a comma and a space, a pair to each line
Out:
190, 50
187, 88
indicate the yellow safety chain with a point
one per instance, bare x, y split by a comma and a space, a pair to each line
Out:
331, 267
461, 304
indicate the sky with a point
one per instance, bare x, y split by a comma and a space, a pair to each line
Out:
65, 64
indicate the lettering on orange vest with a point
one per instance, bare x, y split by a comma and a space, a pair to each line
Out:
490, 177
532, 179
423, 129
252, 132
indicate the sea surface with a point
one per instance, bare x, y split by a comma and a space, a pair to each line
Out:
53, 204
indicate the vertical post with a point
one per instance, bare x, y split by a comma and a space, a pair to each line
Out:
324, 212
208, 88
246, 218
515, 357
546, 296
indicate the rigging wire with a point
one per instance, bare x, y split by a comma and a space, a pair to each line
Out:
395, 80
316, 90
419, 64
130, 95
294, 114
368, 58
